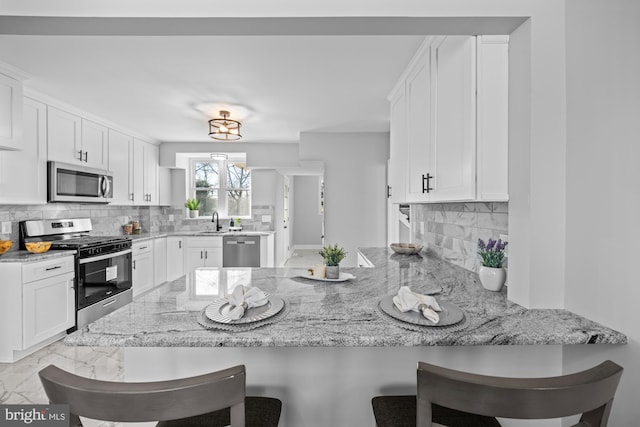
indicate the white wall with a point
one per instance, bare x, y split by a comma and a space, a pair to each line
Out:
263, 187
603, 198
307, 228
355, 187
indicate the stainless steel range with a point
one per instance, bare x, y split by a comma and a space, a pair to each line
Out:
103, 264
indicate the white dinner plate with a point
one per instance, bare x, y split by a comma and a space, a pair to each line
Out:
341, 278
218, 310
450, 314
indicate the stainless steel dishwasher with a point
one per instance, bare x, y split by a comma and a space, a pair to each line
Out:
241, 251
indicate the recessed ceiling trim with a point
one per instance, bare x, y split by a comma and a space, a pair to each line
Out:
339, 26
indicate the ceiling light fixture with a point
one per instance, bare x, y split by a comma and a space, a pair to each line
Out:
224, 129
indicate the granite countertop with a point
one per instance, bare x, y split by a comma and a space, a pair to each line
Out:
26, 256
322, 314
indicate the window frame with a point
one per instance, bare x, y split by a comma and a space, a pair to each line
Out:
222, 188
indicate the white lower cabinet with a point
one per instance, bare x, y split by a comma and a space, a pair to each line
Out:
175, 257
160, 260
37, 305
48, 307
142, 268
203, 252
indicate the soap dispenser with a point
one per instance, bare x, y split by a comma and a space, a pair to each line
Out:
231, 224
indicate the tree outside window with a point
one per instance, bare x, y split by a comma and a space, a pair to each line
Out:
223, 186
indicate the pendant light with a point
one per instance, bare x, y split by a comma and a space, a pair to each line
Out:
224, 129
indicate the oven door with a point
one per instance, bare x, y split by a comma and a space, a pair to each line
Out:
102, 276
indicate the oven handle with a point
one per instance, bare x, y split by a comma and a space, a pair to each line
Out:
107, 256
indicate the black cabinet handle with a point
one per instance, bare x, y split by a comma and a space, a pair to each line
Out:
80, 153
86, 156
179, 244
134, 264
388, 191
53, 268
426, 178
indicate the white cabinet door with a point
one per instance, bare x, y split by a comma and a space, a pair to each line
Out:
23, 173
175, 257
48, 308
398, 147
213, 257
10, 113
142, 268
64, 138
493, 115
151, 161
194, 259
145, 173
454, 143
160, 260
203, 252
419, 129
121, 164
95, 151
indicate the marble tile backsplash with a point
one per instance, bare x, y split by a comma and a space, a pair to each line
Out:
451, 230
109, 219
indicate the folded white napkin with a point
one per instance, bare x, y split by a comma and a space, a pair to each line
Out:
407, 300
244, 297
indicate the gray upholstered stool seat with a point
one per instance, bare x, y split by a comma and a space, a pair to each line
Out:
259, 412
400, 411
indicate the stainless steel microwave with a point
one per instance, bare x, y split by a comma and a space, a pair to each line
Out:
74, 183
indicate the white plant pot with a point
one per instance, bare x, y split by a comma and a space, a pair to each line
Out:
194, 214
492, 278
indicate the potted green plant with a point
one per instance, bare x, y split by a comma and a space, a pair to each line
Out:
193, 205
332, 256
492, 274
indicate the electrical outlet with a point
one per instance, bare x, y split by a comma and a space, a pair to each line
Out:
266, 218
6, 227
171, 217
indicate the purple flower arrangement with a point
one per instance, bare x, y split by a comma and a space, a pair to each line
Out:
492, 253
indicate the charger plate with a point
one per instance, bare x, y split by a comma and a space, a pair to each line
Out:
219, 309
207, 323
450, 314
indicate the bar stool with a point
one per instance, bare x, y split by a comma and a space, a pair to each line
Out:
460, 399
213, 399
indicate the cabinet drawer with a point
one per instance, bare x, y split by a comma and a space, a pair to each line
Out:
45, 269
142, 248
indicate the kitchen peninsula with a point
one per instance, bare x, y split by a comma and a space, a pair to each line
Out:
333, 350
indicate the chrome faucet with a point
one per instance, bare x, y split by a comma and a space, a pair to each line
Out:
216, 219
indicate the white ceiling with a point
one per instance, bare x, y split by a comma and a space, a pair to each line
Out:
163, 86
165, 77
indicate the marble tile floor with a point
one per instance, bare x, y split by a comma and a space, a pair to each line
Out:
19, 382
304, 258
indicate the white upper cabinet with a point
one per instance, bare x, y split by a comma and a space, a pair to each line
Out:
453, 133
10, 113
121, 164
95, 144
493, 115
145, 173
72, 139
64, 133
454, 125
419, 127
23, 173
398, 147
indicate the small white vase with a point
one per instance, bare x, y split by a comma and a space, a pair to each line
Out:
194, 214
492, 278
333, 272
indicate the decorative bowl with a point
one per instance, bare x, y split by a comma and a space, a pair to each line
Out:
5, 245
406, 248
38, 247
